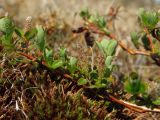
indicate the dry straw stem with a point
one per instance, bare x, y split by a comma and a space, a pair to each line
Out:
134, 107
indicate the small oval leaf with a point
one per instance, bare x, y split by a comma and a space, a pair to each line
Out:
40, 38
6, 25
56, 64
82, 81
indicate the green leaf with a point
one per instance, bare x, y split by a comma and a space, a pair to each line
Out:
30, 34
111, 47
6, 25
48, 56
104, 44
101, 22
98, 85
56, 64
72, 64
85, 14
72, 61
108, 46
134, 85
107, 72
40, 38
148, 18
100, 45
108, 61
98, 20
7, 41
63, 54
94, 75
134, 38
146, 42
157, 101
19, 32
92, 19
82, 81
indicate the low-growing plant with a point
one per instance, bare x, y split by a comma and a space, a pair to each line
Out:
61, 78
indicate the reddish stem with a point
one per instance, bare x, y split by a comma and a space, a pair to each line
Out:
94, 29
149, 38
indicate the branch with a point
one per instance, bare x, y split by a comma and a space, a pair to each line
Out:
136, 108
94, 29
65, 75
32, 58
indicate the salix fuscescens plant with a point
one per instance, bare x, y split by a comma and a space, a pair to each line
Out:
41, 66
146, 43
64, 78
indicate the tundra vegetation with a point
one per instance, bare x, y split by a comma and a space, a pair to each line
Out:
41, 77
